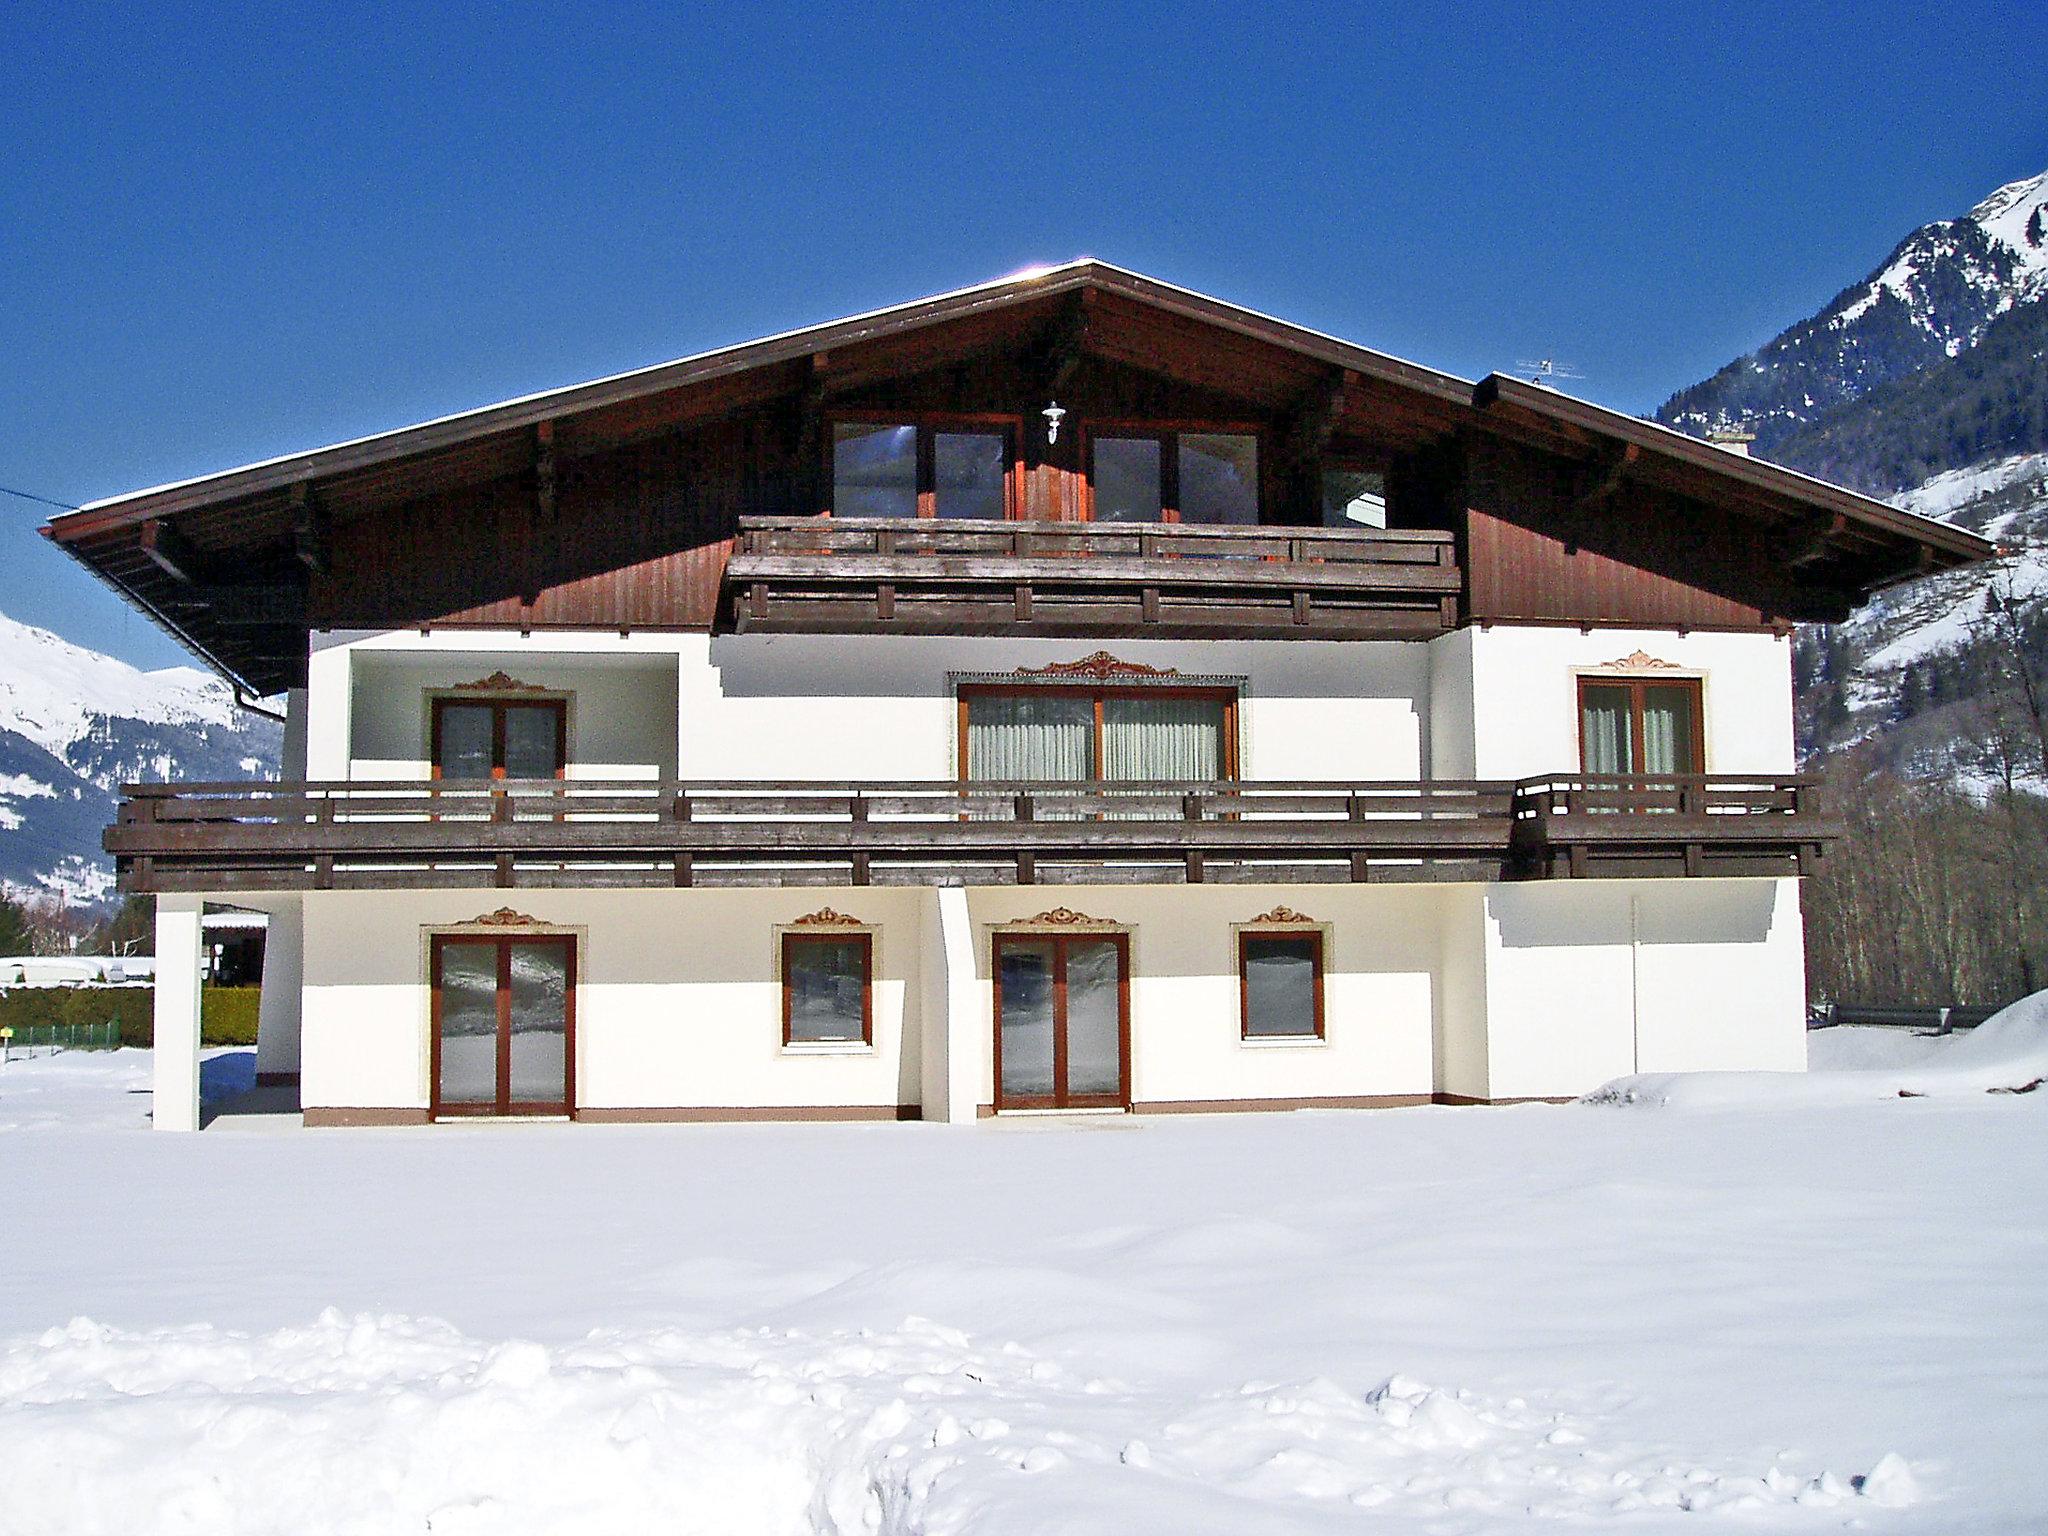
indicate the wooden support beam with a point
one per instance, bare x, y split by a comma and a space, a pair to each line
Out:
172, 552
1811, 541
1602, 475
309, 530
1313, 420
1063, 344
544, 470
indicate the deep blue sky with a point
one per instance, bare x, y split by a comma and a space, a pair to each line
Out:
227, 235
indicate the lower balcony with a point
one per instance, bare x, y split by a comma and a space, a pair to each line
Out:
932, 576
510, 834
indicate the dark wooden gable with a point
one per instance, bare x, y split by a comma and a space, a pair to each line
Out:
615, 504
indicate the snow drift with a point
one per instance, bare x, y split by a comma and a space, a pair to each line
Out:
385, 1423
2007, 1053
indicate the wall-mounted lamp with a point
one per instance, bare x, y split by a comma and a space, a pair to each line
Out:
1054, 414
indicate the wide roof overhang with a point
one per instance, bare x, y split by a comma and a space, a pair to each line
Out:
262, 506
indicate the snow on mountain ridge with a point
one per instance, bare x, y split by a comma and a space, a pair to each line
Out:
53, 692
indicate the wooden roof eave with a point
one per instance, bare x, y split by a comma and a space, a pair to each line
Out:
1950, 546
550, 405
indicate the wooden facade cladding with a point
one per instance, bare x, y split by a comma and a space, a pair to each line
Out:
506, 834
1548, 541
615, 504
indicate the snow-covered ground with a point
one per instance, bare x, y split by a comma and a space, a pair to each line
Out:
1750, 1317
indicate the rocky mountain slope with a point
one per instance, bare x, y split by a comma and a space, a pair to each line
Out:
1933, 299
1927, 384
75, 725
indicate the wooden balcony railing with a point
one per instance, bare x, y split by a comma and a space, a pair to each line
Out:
1170, 580
1617, 824
506, 834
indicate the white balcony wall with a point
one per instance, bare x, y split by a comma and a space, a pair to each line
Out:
1498, 702
1504, 699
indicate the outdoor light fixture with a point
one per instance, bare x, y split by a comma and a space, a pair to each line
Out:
1054, 413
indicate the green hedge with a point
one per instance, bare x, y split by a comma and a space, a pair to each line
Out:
227, 1015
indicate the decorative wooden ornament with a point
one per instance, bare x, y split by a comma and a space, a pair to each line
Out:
1100, 665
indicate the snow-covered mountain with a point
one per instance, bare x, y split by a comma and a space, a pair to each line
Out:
1932, 298
1927, 383
75, 725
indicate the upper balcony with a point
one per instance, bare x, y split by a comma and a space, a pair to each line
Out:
508, 834
927, 576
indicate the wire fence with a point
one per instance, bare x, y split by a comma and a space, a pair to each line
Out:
49, 1039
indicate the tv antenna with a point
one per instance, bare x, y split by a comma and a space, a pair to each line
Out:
1543, 370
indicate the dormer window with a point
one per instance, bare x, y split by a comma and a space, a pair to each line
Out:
937, 468
1153, 475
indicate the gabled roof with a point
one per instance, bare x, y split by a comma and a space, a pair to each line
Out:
108, 533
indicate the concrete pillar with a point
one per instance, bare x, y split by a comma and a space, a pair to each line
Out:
180, 961
329, 703
278, 1010
949, 1061
292, 755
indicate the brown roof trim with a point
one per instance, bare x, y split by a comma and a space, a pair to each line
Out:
530, 410
1759, 474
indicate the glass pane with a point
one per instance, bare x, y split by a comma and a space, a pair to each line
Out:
1094, 1012
1606, 744
1354, 498
1162, 738
1668, 728
827, 981
1024, 972
1219, 478
1127, 480
469, 1023
540, 1023
1280, 984
874, 470
1048, 735
465, 741
967, 474
532, 745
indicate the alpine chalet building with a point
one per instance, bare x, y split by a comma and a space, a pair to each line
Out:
1071, 693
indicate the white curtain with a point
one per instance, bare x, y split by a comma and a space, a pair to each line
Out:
1162, 738
1667, 730
1604, 730
1030, 736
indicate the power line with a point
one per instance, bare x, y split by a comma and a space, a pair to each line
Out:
48, 501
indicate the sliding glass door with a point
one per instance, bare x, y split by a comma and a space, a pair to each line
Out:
503, 1024
1062, 1024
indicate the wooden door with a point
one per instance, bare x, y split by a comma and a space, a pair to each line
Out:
1062, 1021
504, 1024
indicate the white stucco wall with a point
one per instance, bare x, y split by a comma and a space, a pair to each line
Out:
1514, 689
1186, 1022
678, 997
837, 707
1589, 980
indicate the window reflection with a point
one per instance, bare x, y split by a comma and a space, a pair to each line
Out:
1127, 480
874, 470
967, 474
1219, 477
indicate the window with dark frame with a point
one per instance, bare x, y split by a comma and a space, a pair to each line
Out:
828, 988
1149, 475
1066, 731
941, 467
499, 738
1280, 981
1640, 725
